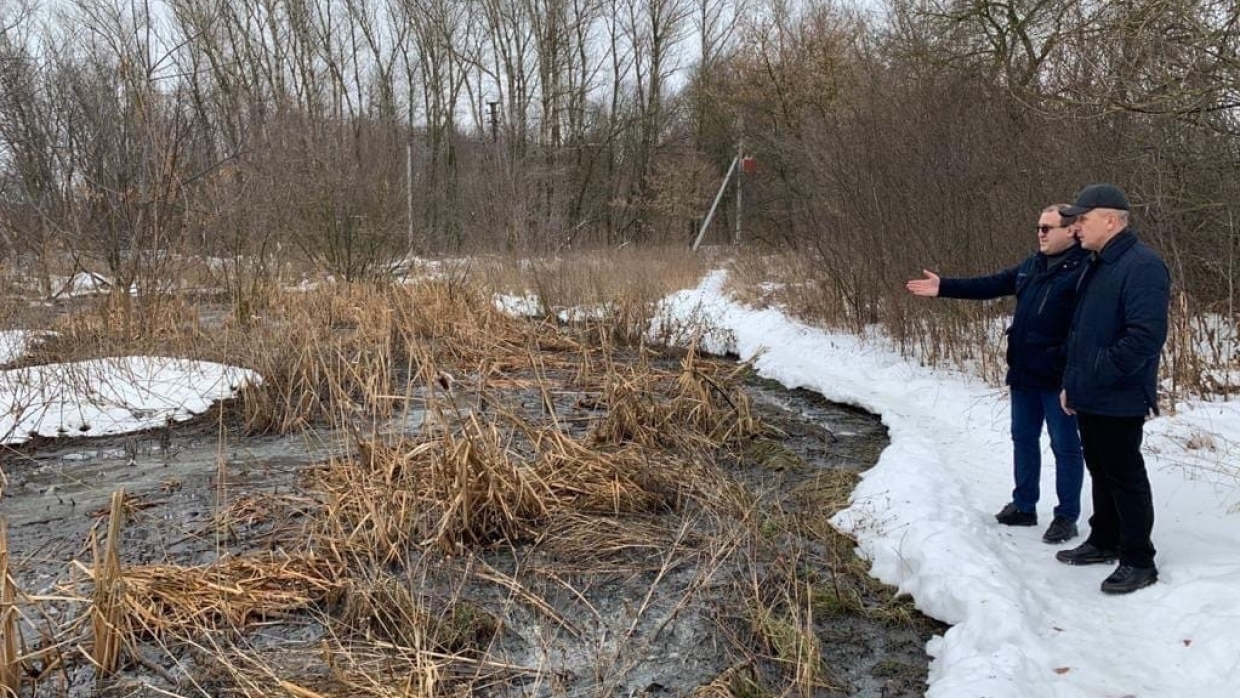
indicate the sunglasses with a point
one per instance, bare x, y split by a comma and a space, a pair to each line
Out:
1046, 229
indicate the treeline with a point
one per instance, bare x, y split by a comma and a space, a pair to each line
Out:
889, 136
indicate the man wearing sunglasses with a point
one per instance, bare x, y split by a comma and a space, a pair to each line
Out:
1111, 383
1045, 288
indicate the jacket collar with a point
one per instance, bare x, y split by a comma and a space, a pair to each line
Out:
1071, 254
1117, 246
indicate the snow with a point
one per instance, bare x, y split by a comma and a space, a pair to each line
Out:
80, 284
13, 344
1023, 624
528, 305
110, 396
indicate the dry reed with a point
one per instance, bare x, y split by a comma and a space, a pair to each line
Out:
704, 405
736, 681
10, 661
107, 612
214, 602
381, 607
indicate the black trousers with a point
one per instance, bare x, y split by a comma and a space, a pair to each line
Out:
1123, 505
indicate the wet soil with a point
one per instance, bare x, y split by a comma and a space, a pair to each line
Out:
663, 623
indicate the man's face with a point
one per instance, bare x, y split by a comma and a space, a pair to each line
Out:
1053, 238
1096, 227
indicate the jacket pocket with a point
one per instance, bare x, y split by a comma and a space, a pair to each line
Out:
1043, 357
1105, 373
1046, 362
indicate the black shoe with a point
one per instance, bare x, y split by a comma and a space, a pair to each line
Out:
1127, 579
1060, 530
1087, 554
1011, 516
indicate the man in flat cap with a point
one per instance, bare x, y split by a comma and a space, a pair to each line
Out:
1110, 383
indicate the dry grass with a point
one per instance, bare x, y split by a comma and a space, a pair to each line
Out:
158, 600
337, 670
107, 614
737, 681
795, 645
584, 542
336, 353
614, 292
591, 278
701, 407
477, 483
384, 608
937, 333
10, 662
459, 490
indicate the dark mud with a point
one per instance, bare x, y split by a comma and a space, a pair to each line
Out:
664, 623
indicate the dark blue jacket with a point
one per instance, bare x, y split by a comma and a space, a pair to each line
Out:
1045, 299
1118, 331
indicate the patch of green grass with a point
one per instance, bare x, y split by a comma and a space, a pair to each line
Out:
794, 645
772, 455
827, 492
837, 597
892, 669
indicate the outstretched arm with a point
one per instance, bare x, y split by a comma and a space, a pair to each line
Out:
980, 287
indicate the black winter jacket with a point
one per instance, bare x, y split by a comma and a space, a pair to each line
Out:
1045, 300
1118, 331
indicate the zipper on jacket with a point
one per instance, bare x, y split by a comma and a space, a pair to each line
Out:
1044, 297
1050, 284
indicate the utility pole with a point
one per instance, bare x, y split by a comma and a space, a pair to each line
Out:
740, 174
409, 191
493, 107
711, 215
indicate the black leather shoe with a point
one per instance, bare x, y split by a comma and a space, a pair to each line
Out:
1011, 516
1060, 530
1127, 579
1087, 554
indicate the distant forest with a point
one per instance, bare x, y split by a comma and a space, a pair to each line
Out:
888, 135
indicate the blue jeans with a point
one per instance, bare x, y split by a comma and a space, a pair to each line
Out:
1031, 407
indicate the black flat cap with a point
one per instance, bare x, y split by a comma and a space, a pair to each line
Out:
1097, 196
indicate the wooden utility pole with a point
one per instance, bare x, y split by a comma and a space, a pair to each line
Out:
740, 175
493, 107
711, 215
409, 191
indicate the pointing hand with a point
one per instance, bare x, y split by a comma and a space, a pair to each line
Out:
928, 286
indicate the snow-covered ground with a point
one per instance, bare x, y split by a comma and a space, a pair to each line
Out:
109, 396
1023, 624
13, 344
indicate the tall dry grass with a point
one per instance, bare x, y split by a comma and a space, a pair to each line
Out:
10, 660
616, 290
347, 353
479, 479
109, 632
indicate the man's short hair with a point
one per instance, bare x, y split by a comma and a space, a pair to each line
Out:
1058, 208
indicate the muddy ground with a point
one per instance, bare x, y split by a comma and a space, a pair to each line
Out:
666, 622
